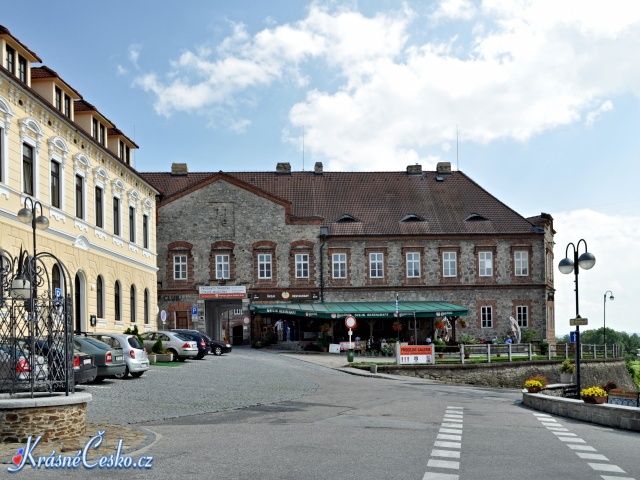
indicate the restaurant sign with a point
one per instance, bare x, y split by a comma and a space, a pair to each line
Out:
226, 291
284, 295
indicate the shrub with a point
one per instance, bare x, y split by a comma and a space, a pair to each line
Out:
157, 347
567, 367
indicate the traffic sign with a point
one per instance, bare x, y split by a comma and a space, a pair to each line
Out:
350, 321
573, 337
194, 310
578, 321
58, 291
163, 316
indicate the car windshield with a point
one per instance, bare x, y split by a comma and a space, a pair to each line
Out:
180, 336
135, 343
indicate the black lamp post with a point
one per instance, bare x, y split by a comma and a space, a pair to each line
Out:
605, 317
566, 265
27, 214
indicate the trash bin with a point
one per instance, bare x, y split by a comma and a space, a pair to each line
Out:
373, 368
350, 355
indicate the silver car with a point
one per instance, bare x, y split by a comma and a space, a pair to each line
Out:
134, 354
181, 347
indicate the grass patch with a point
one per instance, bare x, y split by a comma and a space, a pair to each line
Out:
166, 364
634, 370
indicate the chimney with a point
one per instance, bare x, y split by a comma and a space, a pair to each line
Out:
317, 169
179, 169
414, 169
443, 168
283, 168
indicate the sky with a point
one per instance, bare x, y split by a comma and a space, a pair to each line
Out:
537, 101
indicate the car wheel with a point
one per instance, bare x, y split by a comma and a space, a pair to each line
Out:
176, 358
218, 351
136, 374
123, 375
200, 356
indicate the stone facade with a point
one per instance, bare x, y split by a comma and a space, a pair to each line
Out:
53, 423
229, 213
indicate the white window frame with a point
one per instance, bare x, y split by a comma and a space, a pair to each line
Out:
180, 266
521, 263
449, 264
265, 266
485, 264
302, 265
339, 265
486, 316
146, 226
522, 316
413, 264
116, 221
34, 127
376, 265
223, 266
102, 207
5, 120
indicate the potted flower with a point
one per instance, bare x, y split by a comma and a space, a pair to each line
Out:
567, 369
397, 326
533, 386
536, 381
593, 395
439, 325
440, 345
463, 323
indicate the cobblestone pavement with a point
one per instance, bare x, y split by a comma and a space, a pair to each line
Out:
241, 379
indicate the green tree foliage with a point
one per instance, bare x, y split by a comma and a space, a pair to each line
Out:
630, 343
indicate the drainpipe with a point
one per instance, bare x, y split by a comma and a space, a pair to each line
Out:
324, 231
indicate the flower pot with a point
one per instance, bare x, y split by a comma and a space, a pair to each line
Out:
152, 357
566, 377
597, 400
441, 355
164, 357
467, 355
534, 389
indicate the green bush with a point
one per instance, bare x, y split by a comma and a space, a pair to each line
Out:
157, 347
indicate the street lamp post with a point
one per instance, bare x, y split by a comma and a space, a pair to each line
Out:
604, 317
27, 214
566, 266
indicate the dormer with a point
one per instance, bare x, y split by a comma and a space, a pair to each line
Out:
16, 57
121, 145
54, 90
92, 121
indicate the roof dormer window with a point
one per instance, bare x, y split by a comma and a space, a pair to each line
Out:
474, 217
11, 60
58, 99
412, 218
346, 218
22, 69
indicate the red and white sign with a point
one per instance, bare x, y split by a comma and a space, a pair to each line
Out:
230, 291
416, 354
350, 322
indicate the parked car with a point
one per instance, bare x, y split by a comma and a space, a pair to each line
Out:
14, 364
109, 360
203, 346
135, 357
181, 347
218, 347
84, 370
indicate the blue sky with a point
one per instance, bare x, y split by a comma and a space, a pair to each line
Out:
537, 101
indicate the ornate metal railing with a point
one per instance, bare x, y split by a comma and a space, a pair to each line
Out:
36, 324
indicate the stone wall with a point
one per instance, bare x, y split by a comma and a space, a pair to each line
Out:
60, 422
512, 375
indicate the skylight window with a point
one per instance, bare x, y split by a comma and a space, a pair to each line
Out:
474, 217
412, 218
346, 218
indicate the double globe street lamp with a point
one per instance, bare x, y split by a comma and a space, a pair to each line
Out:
586, 261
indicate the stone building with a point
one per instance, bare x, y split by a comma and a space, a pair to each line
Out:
60, 154
309, 248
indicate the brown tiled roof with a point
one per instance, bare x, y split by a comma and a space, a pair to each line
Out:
378, 200
5, 31
45, 72
118, 132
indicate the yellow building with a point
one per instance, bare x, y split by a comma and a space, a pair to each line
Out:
59, 153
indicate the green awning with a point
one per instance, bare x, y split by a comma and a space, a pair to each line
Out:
361, 310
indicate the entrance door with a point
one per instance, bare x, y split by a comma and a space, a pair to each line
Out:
78, 304
182, 320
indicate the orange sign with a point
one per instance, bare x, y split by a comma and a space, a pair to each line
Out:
406, 350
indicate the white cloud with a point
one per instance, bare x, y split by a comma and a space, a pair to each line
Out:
613, 239
381, 89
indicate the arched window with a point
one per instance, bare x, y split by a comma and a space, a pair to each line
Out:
100, 296
116, 295
146, 306
55, 279
132, 303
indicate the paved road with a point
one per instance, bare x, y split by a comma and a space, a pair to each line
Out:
271, 416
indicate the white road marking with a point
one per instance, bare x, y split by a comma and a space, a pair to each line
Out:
444, 464
452, 454
605, 467
592, 456
448, 444
449, 430
440, 476
586, 448
449, 437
